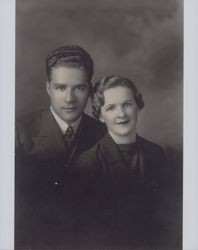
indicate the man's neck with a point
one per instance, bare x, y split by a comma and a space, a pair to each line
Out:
63, 124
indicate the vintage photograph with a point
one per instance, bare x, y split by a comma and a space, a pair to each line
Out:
99, 124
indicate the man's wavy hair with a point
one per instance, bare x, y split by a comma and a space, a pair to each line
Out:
112, 82
71, 56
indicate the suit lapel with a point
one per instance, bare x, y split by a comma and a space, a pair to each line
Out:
80, 141
147, 159
111, 156
81, 135
49, 140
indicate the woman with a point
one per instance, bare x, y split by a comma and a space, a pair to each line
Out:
122, 152
122, 175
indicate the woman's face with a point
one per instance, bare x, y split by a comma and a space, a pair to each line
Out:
119, 112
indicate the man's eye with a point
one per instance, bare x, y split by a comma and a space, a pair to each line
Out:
79, 88
128, 104
61, 88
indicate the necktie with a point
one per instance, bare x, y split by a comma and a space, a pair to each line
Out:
69, 137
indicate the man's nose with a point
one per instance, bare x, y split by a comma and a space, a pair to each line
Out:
69, 95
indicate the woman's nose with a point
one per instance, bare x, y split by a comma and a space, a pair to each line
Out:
120, 111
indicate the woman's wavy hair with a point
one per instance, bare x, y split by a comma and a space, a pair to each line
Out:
97, 97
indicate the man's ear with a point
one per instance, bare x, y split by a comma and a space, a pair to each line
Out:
48, 88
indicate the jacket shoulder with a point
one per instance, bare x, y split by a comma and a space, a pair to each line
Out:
92, 130
93, 123
156, 159
153, 153
27, 119
28, 126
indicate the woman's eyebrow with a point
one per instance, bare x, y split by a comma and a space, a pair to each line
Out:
109, 105
113, 104
129, 100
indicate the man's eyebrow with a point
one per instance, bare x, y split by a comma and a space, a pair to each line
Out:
65, 84
80, 85
59, 84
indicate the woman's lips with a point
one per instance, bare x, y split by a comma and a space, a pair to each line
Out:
123, 122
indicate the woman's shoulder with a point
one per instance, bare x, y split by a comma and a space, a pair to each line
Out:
149, 145
153, 153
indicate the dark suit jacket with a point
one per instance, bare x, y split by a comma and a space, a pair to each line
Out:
39, 139
43, 209
124, 210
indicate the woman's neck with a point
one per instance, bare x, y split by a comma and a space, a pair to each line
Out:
126, 139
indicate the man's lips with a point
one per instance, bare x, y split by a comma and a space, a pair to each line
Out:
69, 108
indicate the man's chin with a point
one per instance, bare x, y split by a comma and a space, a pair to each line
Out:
71, 118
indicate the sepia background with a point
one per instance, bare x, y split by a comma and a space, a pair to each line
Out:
139, 39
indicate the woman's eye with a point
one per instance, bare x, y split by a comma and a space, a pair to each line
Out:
111, 108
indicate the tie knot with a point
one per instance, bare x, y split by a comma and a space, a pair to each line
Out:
69, 132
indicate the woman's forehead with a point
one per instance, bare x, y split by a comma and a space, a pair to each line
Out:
118, 94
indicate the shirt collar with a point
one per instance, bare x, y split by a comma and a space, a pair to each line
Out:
63, 125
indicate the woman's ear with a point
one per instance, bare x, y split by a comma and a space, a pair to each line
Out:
101, 119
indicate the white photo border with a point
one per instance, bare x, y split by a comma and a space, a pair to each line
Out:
7, 112
7, 106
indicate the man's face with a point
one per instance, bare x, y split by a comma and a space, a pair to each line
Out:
68, 90
119, 111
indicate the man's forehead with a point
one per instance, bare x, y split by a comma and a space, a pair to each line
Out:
67, 75
69, 84
67, 68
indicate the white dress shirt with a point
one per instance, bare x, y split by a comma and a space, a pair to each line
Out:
63, 125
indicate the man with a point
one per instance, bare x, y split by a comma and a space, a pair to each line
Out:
40, 136
48, 142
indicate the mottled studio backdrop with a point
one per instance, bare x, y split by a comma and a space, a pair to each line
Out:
139, 39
